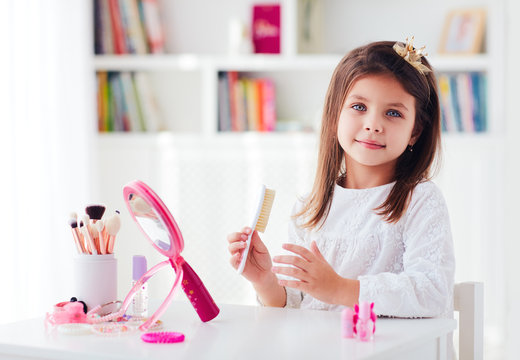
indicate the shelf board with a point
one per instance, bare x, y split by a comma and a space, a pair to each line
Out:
187, 62
326, 62
453, 63
184, 62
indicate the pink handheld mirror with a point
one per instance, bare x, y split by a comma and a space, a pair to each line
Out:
159, 227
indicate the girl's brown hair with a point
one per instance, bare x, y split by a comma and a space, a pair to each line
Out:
412, 166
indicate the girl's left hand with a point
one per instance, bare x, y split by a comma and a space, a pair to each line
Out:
315, 276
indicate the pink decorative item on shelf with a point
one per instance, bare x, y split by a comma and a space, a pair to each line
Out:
266, 29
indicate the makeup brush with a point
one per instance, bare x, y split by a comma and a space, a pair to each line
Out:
112, 225
75, 234
85, 221
95, 211
95, 235
99, 226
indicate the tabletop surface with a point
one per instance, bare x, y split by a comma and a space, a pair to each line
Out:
238, 332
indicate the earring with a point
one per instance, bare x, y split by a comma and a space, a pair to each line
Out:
410, 148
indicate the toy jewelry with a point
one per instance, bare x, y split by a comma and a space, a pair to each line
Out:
163, 337
159, 227
110, 329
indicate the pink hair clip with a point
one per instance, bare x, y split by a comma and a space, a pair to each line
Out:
163, 337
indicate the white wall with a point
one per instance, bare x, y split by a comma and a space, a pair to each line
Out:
512, 189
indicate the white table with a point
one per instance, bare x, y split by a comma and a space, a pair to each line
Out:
238, 332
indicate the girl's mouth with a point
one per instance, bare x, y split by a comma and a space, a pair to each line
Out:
370, 144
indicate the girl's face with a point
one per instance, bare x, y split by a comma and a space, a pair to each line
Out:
376, 123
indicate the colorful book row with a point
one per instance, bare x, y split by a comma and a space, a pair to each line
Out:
463, 102
245, 104
126, 102
127, 27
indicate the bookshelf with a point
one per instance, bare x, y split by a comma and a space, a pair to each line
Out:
185, 81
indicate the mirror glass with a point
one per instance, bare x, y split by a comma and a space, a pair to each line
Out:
150, 221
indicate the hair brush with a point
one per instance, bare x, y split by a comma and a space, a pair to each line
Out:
260, 219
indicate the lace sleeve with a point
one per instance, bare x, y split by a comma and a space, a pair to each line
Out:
425, 286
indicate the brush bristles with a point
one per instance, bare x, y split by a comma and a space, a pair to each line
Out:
95, 211
267, 204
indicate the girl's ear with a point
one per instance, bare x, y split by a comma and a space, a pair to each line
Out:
414, 139
415, 136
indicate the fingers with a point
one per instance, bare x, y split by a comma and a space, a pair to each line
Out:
299, 250
237, 236
299, 285
291, 260
235, 260
236, 247
315, 250
291, 271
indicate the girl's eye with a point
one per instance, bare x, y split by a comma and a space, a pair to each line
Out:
393, 113
359, 107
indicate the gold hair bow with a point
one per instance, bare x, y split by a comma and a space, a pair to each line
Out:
413, 56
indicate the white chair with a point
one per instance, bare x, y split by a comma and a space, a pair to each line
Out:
469, 302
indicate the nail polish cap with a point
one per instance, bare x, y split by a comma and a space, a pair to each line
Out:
139, 267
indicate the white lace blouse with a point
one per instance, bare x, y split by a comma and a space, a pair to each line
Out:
406, 269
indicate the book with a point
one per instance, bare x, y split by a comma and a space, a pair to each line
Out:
118, 33
465, 100
150, 17
131, 101
455, 103
135, 38
98, 41
245, 103
268, 104
252, 103
101, 80
224, 108
481, 94
232, 77
118, 105
446, 102
266, 28
105, 29
148, 103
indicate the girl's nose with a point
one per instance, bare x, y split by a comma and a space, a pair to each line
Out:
372, 124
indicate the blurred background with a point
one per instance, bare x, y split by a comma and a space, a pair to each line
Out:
204, 106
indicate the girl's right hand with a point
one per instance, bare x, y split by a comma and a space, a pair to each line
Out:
258, 264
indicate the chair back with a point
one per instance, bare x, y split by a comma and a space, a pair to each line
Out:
469, 302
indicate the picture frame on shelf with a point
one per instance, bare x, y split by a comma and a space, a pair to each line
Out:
463, 32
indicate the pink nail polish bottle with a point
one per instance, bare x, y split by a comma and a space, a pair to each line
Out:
347, 323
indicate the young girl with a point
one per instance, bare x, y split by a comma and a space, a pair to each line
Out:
373, 228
